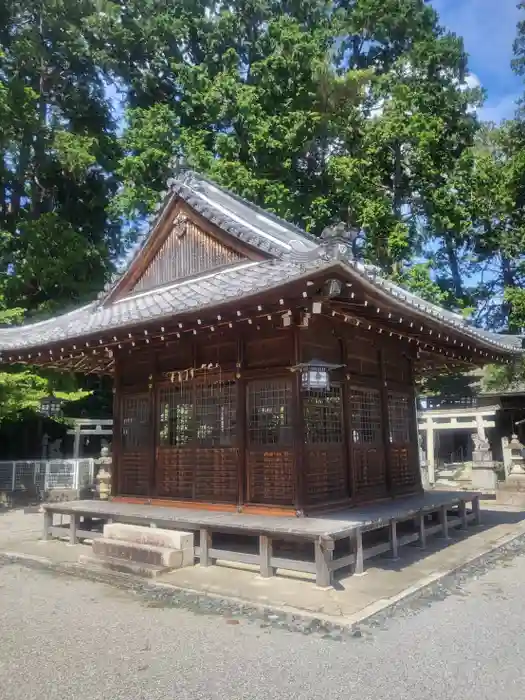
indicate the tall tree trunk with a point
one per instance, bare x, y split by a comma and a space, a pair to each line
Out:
507, 276
20, 180
39, 147
457, 282
398, 174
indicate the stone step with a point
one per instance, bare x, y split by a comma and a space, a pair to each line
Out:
139, 553
155, 536
122, 566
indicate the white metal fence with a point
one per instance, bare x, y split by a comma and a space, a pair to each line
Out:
46, 474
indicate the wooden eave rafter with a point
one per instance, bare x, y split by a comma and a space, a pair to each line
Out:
370, 311
95, 354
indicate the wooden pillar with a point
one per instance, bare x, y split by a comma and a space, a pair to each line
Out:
443, 519
431, 460
265, 556
359, 555
116, 440
394, 543
205, 544
422, 530
154, 422
463, 514
350, 475
324, 554
48, 524
385, 423
241, 425
298, 426
73, 526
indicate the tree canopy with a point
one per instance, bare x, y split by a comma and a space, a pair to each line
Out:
323, 111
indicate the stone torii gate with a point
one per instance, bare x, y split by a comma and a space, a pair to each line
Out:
475, 419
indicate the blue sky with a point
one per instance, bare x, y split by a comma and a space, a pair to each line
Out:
488, 28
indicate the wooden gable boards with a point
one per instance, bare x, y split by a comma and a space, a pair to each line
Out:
182, 246
187, 251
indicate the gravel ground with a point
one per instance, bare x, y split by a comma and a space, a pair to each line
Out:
67, 638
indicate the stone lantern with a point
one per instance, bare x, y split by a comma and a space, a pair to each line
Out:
517, 468
103, 478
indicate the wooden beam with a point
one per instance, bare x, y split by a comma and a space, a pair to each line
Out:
117, 436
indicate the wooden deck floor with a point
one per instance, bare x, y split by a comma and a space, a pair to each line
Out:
334, 525
324, 532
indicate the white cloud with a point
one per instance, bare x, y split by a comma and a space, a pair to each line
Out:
472, 81
499, 109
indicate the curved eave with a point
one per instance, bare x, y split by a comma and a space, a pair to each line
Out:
240, 284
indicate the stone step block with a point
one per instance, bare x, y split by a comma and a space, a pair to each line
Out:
156, 536
122, 566
139, 553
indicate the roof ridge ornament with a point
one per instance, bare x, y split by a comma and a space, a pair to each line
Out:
335, 243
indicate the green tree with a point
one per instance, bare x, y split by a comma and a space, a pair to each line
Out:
57, 152
321, 111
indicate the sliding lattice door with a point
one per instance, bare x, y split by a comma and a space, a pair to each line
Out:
403, 451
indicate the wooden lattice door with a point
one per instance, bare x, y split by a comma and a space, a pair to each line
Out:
136, 451
403, 451
197, 454
368, 449
325, 466
270, 455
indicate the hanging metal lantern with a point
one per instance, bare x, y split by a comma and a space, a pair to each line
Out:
315, 374
50, 406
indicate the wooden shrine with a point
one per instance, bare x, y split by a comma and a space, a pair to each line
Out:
256, 368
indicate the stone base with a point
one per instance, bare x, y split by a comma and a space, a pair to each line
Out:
122, 566
154, 537
512, 492
138, 553
484, 477
143, 551
515, 482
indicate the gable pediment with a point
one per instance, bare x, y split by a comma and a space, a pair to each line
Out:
183, 245
187, 251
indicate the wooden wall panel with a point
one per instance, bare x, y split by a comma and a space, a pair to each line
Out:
210, 351
271, 477
269, 351
134, 473
319, 342
189, 473
325, 472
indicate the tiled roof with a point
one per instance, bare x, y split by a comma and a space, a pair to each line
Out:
426, 310
294, 253
173, 300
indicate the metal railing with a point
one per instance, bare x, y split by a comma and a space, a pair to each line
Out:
46, 474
